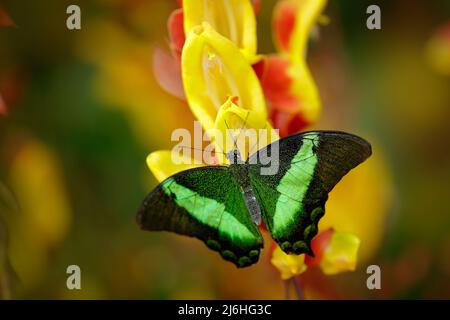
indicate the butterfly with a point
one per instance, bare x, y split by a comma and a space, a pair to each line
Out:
223, 206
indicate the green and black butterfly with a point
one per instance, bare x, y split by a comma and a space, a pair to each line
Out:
223, 205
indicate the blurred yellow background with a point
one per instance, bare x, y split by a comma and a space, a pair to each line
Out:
84, 111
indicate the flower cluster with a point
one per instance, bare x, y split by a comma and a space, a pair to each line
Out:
289, 90
214, 65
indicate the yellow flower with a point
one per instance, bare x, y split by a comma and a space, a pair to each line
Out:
289, 265
162, 165
213, 69
335, 252
305, 90
341, 254
232, 116
45, 214
233, 19
224, 94
294, 101
222, 88
293, 22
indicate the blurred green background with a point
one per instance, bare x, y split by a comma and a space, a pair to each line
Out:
84, 111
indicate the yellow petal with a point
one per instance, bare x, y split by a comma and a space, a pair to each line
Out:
341, 253
165, 163
307, 14
305, 90
303, 85
294, 46
35, 176
37, 181
233, 19
289, 265
213, 69
238, 127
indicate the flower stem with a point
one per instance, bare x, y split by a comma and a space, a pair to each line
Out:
286, 289
298, 288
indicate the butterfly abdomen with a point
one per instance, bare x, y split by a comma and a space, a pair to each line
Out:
252, 205
240, 174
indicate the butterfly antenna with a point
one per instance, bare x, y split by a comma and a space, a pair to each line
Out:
256, 144
240, 130
228, 130
203, 150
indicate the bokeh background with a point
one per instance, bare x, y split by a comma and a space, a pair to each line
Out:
84, 111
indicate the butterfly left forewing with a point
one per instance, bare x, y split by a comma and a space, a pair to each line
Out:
207, 204
293, 198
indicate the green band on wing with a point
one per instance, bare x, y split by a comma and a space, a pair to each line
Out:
293, 187
208, 211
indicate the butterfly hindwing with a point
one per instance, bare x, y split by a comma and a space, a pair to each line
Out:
205, 203
293, 199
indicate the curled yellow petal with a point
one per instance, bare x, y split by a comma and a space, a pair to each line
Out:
341, 253
233, 19
289, 265
213, 69
165, 163
238, 127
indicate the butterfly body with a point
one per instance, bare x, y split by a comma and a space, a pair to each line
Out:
224, 205
240, 172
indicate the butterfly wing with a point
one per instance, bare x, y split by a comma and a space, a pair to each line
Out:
207, 204
309, 166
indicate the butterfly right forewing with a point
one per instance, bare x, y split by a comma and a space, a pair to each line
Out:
293, 198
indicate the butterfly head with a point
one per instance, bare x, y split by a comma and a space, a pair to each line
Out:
234, 157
